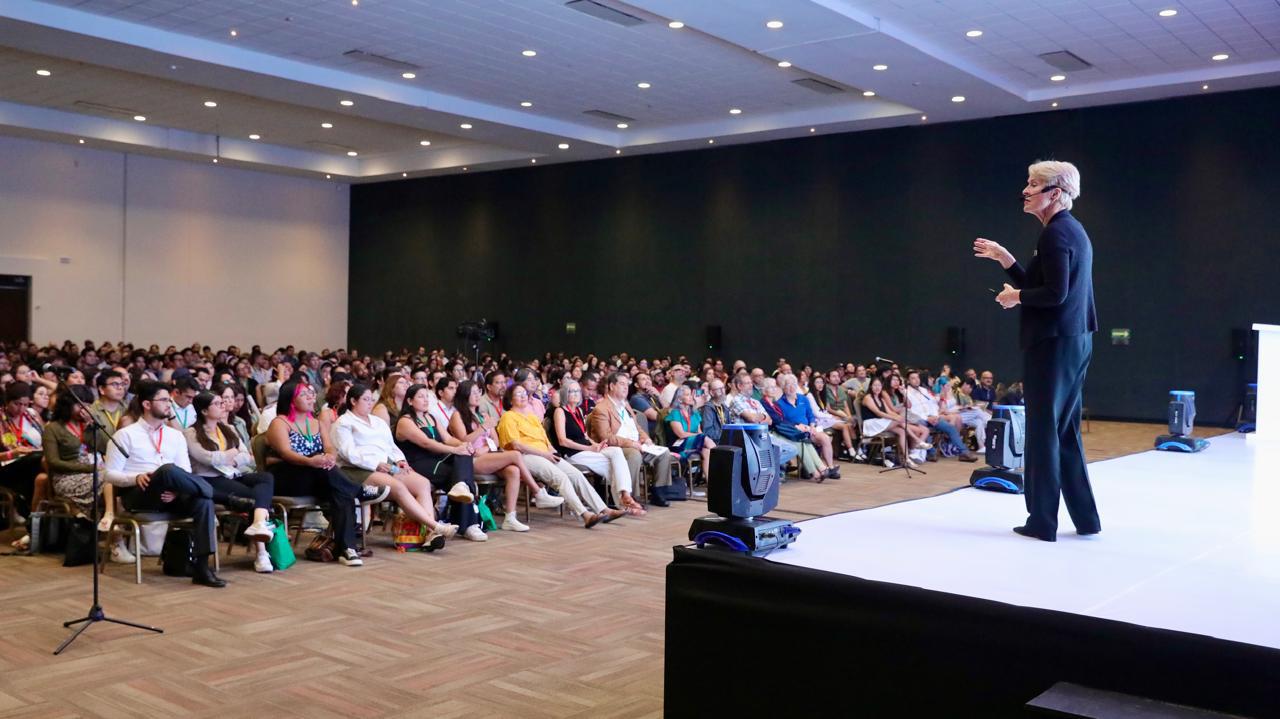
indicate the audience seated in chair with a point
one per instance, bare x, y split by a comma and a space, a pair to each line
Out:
571, 440
613, 423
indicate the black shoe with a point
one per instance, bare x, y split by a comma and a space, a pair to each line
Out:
1032, 535
1088, 532
657, 500
805, 474
833, 473
205, 576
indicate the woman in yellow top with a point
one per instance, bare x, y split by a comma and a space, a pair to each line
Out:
520, 430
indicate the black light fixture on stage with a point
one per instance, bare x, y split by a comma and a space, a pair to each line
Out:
742, 485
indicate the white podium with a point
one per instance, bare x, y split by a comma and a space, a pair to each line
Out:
1268, 381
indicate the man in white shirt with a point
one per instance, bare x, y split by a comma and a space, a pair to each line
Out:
677, 376
156, 475
182, 414
923, 410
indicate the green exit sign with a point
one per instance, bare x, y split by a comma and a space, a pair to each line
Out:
1120, 337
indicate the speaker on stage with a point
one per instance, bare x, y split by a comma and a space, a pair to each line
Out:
955, 341
1243, 343
713, 338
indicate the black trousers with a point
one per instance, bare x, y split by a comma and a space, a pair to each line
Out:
20, 476
444, 471
258, 486
296, 480
1053, 380
194, 499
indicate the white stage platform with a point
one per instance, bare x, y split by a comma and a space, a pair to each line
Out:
1189, 543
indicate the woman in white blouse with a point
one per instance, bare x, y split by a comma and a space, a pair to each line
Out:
369, 455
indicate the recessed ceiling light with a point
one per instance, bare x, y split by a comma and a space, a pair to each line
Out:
43, 73
408, 75
868, 93
255, 137
352, 153
958, 98
1204, 87
616, 152
643, 85
326, 125
346, 103
140, 118
534, 161
924, 118
1054, 105
880, 68
82, 141
1170, 12
1221, 56
1057, 78
774, 24
735, 111
234, 33
210, 103
215, 160
529, 53
783, 64
973, 33
404, 174
328, 177
424, 143
623, 126
355, 3
526, 103
465, 126
711, 142
675, 24
465, 169
563, 146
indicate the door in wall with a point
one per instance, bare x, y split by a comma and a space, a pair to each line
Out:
15, 308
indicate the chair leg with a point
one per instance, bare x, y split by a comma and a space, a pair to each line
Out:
525, 491
137, 551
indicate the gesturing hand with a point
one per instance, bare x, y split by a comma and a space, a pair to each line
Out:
1009, 297
992, 251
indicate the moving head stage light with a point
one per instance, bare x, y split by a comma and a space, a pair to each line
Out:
1182, 418
742, 485
1005, 442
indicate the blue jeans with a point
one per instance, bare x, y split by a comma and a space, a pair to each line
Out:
784, 448
945, 427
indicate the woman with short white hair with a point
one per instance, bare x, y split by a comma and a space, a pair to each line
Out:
1057, 325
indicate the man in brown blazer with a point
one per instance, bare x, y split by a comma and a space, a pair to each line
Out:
613, 422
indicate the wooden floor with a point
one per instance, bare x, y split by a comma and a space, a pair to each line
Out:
557, 622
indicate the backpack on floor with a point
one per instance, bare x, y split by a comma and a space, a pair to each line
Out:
177, 556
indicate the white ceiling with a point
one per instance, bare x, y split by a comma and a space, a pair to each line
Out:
284, 72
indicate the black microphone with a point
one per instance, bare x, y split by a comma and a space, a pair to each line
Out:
1043, 190
884, 359
59, 370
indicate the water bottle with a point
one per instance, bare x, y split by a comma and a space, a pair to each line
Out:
34, 528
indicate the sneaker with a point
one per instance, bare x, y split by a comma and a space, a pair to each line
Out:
120, 554
434, 540
542, 500
314, 520
23, 544
475, 534
262, 564
699, 494
448, 531
350, 558
888, 463
461, 493
511, 524
373, 494
259, 529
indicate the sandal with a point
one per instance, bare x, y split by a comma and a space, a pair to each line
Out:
635, 510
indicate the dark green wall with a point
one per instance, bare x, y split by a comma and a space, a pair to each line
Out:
803, 248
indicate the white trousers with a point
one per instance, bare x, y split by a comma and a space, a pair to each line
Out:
568, 482
611, 464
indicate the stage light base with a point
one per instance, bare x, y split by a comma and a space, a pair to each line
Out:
1180, 443
995, 479
757, 536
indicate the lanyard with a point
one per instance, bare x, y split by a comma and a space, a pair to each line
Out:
16, 430
77, 429
217, 437
310, 437
114, 419
578, 420
158, 441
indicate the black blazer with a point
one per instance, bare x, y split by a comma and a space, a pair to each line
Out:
1057, 285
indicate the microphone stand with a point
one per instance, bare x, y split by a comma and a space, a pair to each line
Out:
95, 612
906, 438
